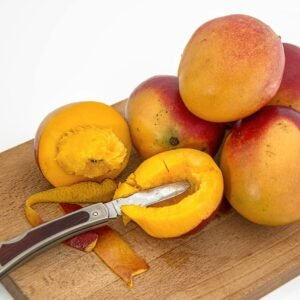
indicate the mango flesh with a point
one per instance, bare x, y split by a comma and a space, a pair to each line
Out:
83, 141
194, 166
231, 67
260, 165
159, 121
289, 90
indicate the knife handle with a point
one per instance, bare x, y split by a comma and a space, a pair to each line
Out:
18, 250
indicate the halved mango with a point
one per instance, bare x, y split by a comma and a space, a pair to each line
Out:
83, 141
206, 181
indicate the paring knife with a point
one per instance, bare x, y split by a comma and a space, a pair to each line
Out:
18, 250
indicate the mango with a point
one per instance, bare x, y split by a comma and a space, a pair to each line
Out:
159, 121
230, 68
259, 162
205, 195
289, 90
82, 141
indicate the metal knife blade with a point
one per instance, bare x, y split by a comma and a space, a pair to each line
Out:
150, 196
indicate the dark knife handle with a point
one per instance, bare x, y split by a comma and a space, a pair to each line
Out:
37, 239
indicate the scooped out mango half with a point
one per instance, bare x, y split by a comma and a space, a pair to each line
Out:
194, 166
83, 141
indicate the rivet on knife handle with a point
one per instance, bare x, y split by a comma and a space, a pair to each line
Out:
35, 240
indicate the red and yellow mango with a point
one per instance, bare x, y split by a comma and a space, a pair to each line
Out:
260, 165
231, 67
289, 90
159, 121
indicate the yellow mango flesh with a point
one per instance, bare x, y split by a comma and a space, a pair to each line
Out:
82, 141
98, 151
194, 166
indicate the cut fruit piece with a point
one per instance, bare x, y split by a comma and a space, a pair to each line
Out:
118, 255
82, 141
206, 181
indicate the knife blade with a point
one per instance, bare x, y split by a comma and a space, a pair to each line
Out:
33, 241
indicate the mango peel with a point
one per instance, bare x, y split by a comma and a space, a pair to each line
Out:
85, 241
118, 255
83, 192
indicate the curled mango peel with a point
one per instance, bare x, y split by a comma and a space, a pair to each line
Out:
84, 192
206, 181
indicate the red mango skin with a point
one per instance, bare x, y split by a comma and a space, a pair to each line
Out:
223, 208
159, 121
260, 165
289, 90
84, 241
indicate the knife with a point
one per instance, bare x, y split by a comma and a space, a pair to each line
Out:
21, 248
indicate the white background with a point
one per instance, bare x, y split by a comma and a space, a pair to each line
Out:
56, 52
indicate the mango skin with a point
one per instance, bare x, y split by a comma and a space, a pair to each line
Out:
289, 90
231, 67
260, 165
159, 121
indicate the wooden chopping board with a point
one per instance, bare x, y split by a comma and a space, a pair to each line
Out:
231, 258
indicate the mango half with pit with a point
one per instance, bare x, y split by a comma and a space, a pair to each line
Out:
83, 141
205, 195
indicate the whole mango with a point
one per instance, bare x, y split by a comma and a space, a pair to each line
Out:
231, 67
260, 165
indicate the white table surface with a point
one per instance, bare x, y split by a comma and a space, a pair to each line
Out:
53, 52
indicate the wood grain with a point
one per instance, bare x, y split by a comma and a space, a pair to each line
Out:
229, 259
